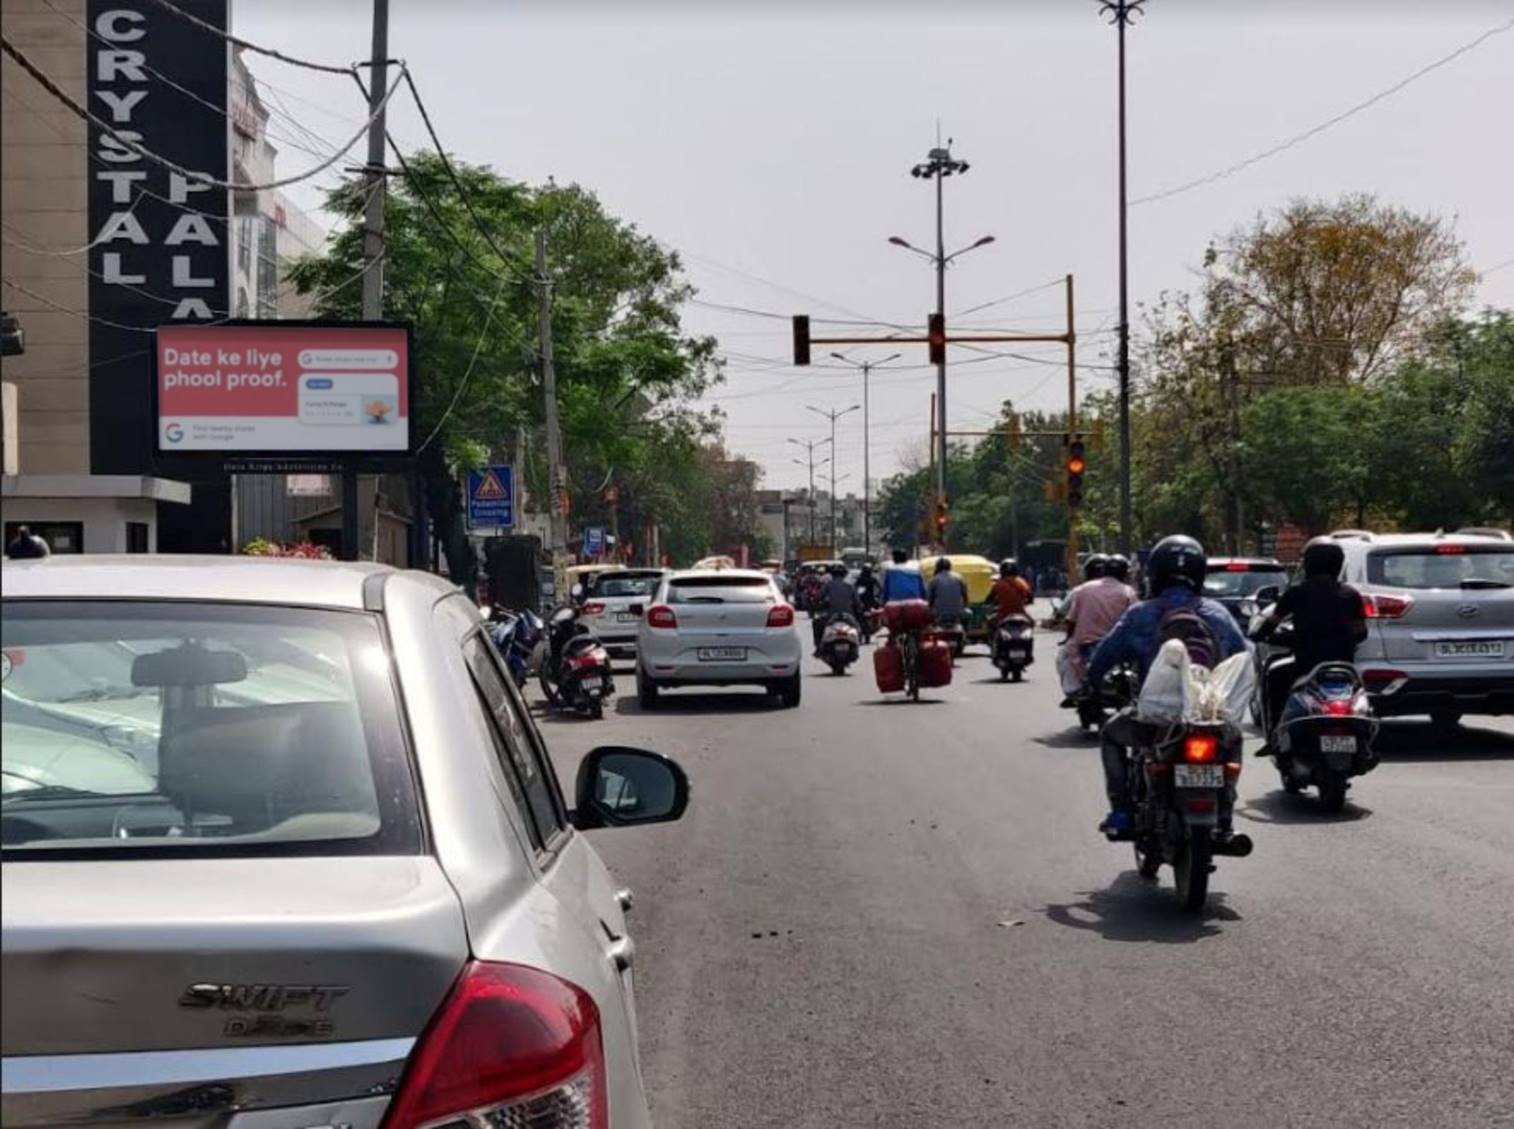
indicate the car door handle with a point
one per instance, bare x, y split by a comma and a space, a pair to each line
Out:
623, 952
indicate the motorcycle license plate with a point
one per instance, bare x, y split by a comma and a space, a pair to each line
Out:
1199, 775
1017, 652
722, 654
1333, 743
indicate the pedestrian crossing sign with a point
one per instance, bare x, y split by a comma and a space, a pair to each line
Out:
491, 497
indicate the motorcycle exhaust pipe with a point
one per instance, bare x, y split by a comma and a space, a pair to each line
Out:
1238, 846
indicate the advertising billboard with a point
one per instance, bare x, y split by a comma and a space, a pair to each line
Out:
272, 387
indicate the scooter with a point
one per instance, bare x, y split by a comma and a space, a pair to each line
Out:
840, 642
1323, 733
575, 674
1013, 646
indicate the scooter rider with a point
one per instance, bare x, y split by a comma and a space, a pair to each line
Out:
836, 598
1176, 569
948, 594
1010, 594
901, 583
1328, 621
867, 586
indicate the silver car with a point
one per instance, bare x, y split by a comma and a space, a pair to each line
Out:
282, 847
613, 605
1440, 622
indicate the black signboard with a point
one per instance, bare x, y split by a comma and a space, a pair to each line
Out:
161, 239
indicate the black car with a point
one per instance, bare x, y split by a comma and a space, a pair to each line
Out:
1234, 581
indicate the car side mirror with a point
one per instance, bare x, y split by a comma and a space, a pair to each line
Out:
623, 787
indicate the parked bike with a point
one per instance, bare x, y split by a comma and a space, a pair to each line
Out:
575, 674
517, 636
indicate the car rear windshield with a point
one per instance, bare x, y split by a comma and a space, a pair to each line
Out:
194, 728
1243, 580
1443, 566
612, 586
720, 590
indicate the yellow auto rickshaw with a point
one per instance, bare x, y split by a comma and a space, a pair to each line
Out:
978, 573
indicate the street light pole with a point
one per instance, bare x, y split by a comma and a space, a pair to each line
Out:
833, 415
867, 483
1121, 12
809, 445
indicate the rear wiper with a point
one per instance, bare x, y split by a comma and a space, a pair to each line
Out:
704, 600
1480, 582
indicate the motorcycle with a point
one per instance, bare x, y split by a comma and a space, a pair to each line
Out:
1115, 691
1181, 788
872, 621
1322, 735
1013, 646
953, 634
840, 642
517, 635
575, 673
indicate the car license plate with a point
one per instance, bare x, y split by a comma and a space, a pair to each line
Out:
1469, 649
721, 654
1199, 775
1334, 743
624, 617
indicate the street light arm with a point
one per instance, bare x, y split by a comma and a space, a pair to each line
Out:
984, 242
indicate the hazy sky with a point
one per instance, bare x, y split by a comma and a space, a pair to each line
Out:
771, 143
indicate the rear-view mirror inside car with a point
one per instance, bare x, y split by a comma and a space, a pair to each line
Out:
188, 665
622, 787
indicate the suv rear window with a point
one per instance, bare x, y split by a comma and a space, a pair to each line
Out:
195, 728
1243, 580
720, 590
611, 586
1443, 566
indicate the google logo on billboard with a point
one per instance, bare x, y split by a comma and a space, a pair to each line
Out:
173, 432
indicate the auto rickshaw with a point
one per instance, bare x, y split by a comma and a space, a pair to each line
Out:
979, 574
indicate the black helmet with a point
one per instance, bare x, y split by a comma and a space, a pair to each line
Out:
1009, 567
1118, 567
838, 569
900, 556
944, 564
865, 570
1178, 559
1323, 557
1095, 566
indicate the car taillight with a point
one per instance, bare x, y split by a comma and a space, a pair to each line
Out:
1201, 748
781, 615
661, 616
1386, 605
511, 1045
594, 608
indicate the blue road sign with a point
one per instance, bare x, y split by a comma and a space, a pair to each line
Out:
594, 541
491, 497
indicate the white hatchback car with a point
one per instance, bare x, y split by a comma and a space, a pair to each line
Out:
292, 822
718, 627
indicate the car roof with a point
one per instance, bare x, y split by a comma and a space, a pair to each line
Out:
1269, 562
261, 580
748, 573
1406, 540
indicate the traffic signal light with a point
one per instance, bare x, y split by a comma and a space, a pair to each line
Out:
943, 518
937, 338
1077, 463
801, 339
12, 338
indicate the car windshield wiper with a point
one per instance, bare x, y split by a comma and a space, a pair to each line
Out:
103, 693
703, 600
1482, 582
42, 791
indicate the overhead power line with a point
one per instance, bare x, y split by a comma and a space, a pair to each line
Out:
67, 100
256, 48
1315, 131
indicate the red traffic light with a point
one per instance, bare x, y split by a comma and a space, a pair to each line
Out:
1076, 465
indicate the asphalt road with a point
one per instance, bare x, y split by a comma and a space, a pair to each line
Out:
878, 913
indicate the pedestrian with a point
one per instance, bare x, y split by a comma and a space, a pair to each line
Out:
26, 546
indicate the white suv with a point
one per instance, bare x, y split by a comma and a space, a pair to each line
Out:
718, 627
1440, 622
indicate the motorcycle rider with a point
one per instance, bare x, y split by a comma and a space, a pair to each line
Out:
901, 583
1176, 569
1328, 622
836, 598
1093, 609
1010, 594
948, 594
867, 586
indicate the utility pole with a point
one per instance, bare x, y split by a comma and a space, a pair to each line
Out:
373, 245
866, 368
1121, 12
809, 445
557, 480
833, 415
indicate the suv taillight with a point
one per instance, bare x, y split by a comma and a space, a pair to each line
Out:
511, 1045
594, 607
661, 616
781, 615
1386, 605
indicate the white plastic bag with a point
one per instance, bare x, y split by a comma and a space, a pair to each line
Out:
1067, 670
1221, 694
1163, 694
